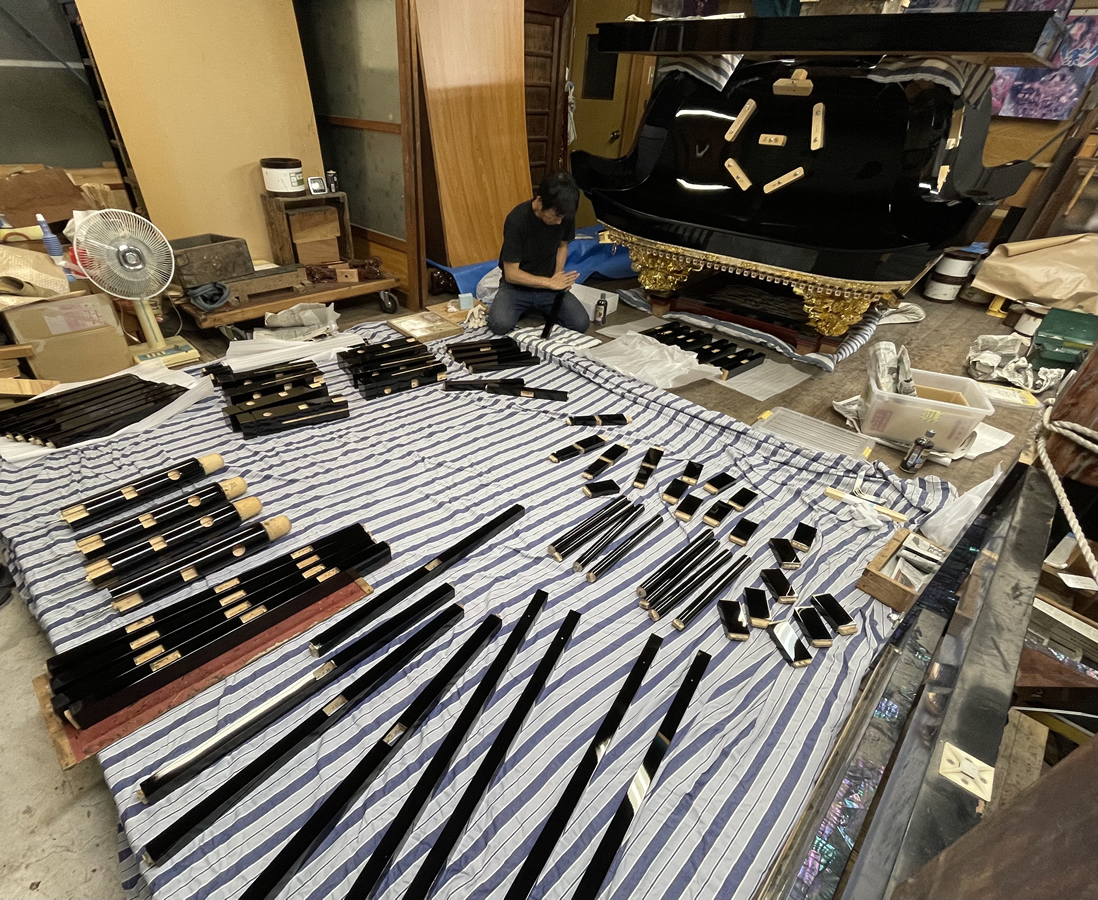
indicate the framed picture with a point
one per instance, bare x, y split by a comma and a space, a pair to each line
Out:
318, 185
1050, 93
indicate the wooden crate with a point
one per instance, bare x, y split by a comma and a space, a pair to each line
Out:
891, 593
315, 253
206, 258
276, 209
313, 223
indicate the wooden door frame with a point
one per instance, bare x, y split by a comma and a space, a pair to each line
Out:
411, 143
557, 148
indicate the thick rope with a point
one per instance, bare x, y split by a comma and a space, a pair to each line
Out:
1084, 437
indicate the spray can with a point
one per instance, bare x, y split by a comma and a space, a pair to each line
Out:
600, 310
916, 456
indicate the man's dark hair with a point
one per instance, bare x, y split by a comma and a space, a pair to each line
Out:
558, 191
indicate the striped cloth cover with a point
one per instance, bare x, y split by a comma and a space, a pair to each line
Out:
420, 469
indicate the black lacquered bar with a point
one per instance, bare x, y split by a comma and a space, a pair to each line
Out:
669, 568
647, 466
607, 849
386, 599
168, 778
609, 456
161, 581
622, 550
408, 815
586, 445
447, 839
723, 583
732, 620
99, 506
528, 392
586, 525
676, 588
603, 543
207, 810
557, 820
308, 838
123, 534
703, 571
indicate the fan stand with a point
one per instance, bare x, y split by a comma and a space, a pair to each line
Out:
174, 352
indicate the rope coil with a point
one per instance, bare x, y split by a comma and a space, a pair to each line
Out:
1086, 438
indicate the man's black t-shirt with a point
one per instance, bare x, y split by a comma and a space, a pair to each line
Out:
531, 243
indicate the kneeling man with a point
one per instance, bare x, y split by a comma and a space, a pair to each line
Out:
535, 248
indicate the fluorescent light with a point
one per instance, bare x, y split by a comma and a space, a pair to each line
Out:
690, 186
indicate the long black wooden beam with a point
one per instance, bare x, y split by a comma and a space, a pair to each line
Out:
722, 584
435, 860
346, 548
386, 599
133, 592
170, 668
130, 531
587, 524
557, 820
209, 808
167, 779
123, 496
683, 574
408, 815
608, 847
669, 568
274, 876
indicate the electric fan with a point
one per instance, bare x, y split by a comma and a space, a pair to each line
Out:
127, 256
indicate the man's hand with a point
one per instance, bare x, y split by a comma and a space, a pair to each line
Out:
562, 281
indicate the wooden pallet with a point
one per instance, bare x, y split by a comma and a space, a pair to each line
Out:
74, 745
276, 301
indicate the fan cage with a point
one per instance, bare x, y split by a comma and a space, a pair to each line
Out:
124, 254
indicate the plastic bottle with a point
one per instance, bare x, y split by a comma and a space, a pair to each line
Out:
916, 456
52, 244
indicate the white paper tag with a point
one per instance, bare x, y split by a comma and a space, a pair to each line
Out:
1079, 582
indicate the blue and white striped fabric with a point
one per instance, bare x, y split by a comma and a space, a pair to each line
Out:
420, 469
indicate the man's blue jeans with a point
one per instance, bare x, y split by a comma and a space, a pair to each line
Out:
512, 303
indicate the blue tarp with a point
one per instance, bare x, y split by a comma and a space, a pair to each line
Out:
585, 255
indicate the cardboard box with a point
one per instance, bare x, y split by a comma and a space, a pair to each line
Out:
73, 340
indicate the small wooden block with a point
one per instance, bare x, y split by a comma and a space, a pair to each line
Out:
816, 142
313, 223
345, 275
772, 140
738, 174
798, 85
312, 253
24, 387
16, 351
943, 174
741, 120
788, 178
9, 368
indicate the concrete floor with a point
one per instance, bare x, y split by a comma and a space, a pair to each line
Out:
58, 831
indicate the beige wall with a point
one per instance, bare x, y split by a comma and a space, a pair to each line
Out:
203, 89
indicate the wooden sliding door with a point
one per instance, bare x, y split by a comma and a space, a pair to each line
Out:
360, 58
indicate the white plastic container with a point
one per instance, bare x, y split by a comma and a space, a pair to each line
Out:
953, 406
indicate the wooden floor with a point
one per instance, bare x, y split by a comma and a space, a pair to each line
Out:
939, 343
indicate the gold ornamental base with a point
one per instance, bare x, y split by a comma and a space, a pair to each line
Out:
832, 304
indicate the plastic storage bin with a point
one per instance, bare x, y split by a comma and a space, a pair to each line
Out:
953, 406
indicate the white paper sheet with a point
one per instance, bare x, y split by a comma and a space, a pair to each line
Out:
629, 327
988, 438
763, 382
1079, 582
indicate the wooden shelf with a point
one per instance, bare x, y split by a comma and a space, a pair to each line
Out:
276, 301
